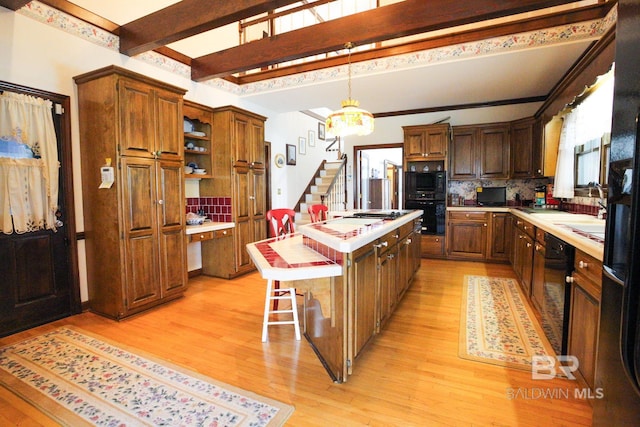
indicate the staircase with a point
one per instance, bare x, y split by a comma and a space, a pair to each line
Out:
318, 189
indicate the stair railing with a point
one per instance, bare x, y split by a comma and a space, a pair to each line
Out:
335, 198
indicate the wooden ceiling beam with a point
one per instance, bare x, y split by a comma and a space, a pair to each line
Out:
188, 18
388, 22
573, 16
13, 4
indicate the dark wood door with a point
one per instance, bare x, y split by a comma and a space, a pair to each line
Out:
39, 270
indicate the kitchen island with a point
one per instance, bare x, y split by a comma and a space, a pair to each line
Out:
352, 272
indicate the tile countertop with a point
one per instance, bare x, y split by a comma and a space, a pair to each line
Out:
557, 223
287, 258
208, 226
348, 234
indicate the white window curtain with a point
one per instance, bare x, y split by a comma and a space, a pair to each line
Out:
29, 187
588, 121
563, 185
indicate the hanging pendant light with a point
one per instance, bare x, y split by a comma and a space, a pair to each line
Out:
350, 119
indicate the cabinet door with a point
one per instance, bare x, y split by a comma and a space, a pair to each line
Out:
258, 204
241, 207
436, 141
463, 153
387, 278
169, 139
522, 149
494, 151
467, 239
364, 308
583, 329
413, 143
241, 139
140, 231
498, 239
537, 278
527, 263
256, 144
137, 123
173, 251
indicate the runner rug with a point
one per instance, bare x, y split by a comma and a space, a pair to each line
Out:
497, 325
81, 379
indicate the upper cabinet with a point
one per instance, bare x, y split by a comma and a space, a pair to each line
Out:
480, 152
426, 142
150, 120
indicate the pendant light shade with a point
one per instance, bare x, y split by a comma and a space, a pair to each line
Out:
350, 119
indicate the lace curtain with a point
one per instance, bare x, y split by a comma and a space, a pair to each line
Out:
588, 121
29, 197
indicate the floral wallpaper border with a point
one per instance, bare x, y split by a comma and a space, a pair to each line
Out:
545, 37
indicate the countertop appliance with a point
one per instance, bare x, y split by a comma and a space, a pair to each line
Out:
558, 266
491, 196
618, 356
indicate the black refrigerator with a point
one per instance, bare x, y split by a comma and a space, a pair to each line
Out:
618, 357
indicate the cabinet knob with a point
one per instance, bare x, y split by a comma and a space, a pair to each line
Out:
161, 202
466, 215
485, 224
202, 237
407, 242
252, 197
568, 279
583, 264
528, 245
224, 232
385, 243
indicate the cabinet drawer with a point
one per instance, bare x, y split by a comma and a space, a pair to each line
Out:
468, 216
200, 237
217, 234
526, 226
432, 245
589, 267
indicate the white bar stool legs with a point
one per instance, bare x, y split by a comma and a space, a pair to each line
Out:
283, 293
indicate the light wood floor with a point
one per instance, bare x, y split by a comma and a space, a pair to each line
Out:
410, 375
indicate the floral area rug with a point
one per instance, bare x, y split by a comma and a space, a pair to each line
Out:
80, 379
497, 325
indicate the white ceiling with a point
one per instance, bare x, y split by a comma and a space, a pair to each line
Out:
512, 74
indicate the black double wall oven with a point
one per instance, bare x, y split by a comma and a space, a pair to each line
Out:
427, 191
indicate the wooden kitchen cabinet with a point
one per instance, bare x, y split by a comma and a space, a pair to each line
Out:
479, 152
387, 265
363, 267
538, 273
523, 253
584, 320
239, 173
493, 150
134, 229
499, 236
467, 235
432, 246
463, 153
525, 150
426, 142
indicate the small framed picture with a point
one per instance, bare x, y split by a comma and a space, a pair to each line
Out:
321, 130
312, 138
291, 154
302, 145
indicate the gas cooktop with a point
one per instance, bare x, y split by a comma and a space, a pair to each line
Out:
381, 214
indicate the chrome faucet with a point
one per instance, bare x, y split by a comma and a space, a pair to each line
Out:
603, 207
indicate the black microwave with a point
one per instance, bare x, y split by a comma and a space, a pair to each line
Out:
426, 184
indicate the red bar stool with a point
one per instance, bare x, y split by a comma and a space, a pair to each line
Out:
318, 212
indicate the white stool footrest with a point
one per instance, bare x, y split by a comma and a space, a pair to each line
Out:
267, 311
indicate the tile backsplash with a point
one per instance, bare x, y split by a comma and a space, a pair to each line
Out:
217, 209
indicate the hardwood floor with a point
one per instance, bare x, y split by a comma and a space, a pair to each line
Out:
410, 375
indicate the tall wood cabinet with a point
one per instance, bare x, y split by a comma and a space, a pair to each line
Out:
134, 229
238, 167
